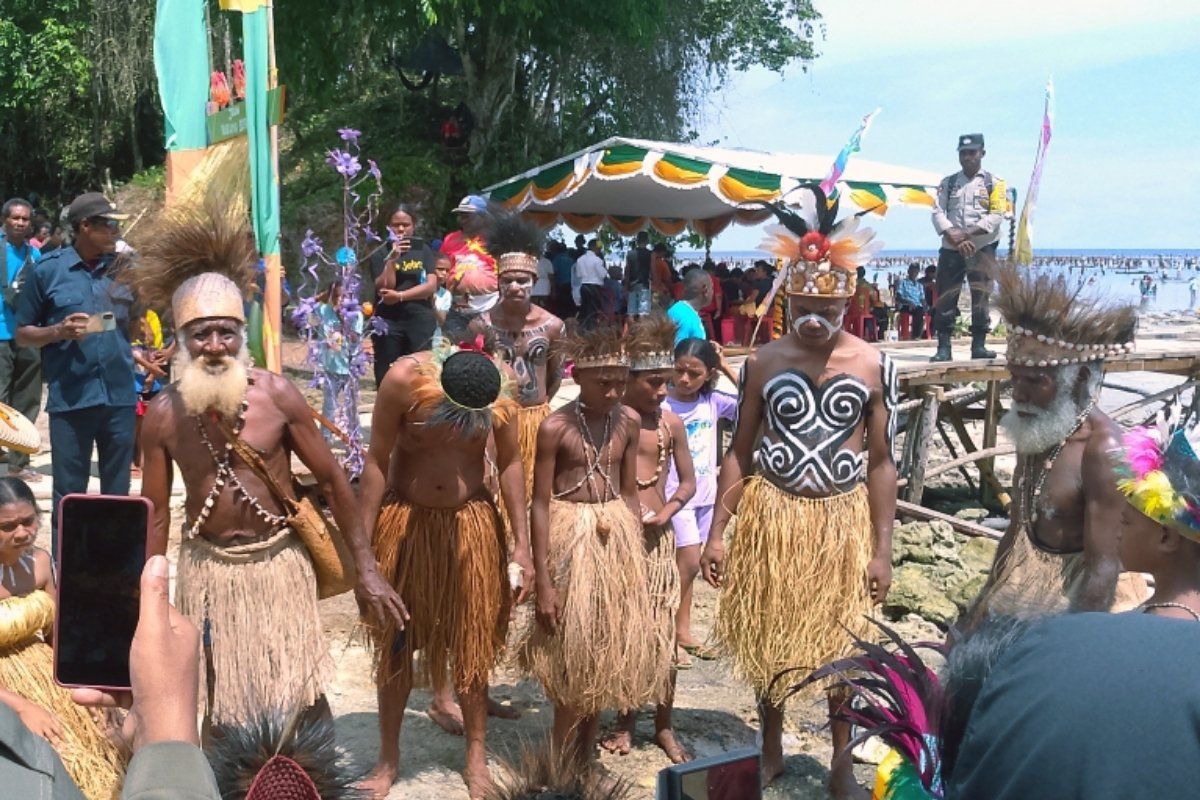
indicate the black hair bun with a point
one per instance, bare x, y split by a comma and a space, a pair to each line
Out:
470, 379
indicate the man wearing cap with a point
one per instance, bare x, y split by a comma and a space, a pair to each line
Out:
970, 207
472, 268
20, 367
71, 307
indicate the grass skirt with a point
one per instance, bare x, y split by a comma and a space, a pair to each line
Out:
604, 654
1030, 581
450, 568
257, 607
27, 669
795, 583
662, 577
529, 418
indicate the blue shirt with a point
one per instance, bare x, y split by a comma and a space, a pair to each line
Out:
17, 258
96, 370
563, 262
687, 321
910, 292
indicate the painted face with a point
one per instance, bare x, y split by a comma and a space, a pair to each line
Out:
691, 375
601, 388
816, 320
646, 390
516, 285
19, 524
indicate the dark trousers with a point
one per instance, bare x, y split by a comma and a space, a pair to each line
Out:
563, 302
20, 387
591, 305
73, 435
394, 345
952, 267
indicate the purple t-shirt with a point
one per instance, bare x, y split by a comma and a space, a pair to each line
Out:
700, 418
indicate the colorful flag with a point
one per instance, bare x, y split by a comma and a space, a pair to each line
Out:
1024, 247
829, 185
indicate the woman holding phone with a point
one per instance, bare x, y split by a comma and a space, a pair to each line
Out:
27, 605
405, 275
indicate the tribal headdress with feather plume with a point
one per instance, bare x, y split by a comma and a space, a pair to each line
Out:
197, 262
651, 344
897, 697
465, 388
1051, 325
514, 241
272, 759
602, 346
1159, 472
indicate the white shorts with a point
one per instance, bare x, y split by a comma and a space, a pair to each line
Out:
691, 526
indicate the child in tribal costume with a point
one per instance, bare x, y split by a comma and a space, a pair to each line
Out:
662, 440
595, 646
26, 660
812, 548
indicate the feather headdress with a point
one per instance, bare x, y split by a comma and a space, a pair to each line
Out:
543, 773
197, 261
465, 389
602, 346
1160, 476
514, 241
652, 343
896, 697
822, 254
271, 759
1051, 325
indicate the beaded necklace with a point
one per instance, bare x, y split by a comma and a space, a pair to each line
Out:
593, 455
1031, 499
662, 459
1147, 606
225, 474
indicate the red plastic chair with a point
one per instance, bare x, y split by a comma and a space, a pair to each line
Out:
904, 325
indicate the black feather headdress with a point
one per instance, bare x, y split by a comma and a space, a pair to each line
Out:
513, 240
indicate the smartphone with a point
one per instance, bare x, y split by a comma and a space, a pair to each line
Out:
729, 776
102, 548
104, 321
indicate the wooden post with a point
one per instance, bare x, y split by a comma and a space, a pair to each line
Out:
987, 476
921, 432
991, 418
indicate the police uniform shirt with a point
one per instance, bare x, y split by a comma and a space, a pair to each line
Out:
965, 203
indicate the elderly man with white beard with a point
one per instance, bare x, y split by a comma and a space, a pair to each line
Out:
244, 577
1061, 547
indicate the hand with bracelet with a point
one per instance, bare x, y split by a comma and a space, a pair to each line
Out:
663, 515
391, 297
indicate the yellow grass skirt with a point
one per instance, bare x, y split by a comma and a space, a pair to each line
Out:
1030, 581
256, 605
450, 568
605, 652
662, 577
795, 581
27, 669
529, 418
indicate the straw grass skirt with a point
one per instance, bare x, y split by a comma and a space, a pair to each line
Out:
1031, 582
662, 578
604, 653
450, 568
27, 669
795, 583
529, 418
257, 607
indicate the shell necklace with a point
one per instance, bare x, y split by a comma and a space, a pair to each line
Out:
593, 456
1032, 498
662, 459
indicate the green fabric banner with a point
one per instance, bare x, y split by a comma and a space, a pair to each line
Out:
264, 191
181, 63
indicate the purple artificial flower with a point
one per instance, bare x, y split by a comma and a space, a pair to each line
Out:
311, 244
373, 170
349, 134
344, 162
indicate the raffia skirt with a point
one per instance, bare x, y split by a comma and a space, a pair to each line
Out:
795, 584
450, 568
27, 669
662, 578
605, 652
529, 418
257, 607
1031, 581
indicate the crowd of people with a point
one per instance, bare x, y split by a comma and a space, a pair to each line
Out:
478, 495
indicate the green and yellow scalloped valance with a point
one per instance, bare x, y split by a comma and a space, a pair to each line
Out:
632, 184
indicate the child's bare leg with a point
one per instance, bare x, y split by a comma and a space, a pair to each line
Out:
474, 709
688, 560
393, 697
620, 739
664, 730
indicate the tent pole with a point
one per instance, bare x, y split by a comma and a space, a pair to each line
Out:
273, 290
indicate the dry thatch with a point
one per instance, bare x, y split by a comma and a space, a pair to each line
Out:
1046, 304
652, 334
579, 345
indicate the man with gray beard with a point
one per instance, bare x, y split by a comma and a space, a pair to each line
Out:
1061, 547
244, 577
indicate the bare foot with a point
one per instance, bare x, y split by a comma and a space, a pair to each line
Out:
447, 715
479, 782
772, 768
500, 711
665, 739
379, 782
843, 786
620, 740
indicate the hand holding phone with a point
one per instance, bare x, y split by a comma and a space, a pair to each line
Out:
101, 322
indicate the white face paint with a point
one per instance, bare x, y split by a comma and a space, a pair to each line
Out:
830, 328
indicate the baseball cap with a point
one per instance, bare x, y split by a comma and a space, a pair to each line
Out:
970, 141
471, 204
92, 204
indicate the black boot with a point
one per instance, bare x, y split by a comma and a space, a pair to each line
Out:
943, 351
977, 347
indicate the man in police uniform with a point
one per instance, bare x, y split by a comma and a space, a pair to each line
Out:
970, 207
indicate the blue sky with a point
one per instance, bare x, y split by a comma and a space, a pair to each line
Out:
1124, 165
